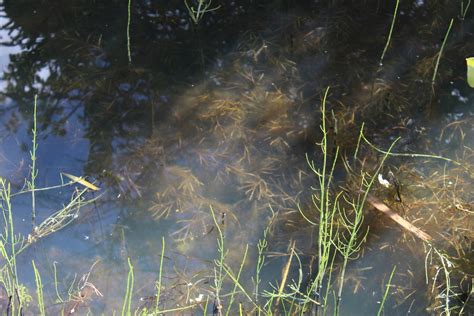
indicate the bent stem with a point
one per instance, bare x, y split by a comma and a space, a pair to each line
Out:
127, 301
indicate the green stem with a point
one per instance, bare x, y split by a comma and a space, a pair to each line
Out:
127, 301
158, 284
34, 172
129, 20
387, 288
389, 33
39, 289
441, 52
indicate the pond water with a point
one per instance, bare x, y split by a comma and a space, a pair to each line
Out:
205, 130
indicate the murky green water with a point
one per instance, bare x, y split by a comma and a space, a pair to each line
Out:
221, 116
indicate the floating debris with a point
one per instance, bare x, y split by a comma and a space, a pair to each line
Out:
382, 207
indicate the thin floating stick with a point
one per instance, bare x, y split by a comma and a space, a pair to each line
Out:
389, 33
82, 181
382, 207
441, 52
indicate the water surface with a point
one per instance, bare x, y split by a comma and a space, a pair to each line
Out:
221, 116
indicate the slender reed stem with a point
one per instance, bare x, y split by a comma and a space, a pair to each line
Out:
59, 298
358, 140
127, 301
231, 301
387, 288
158, 284
261, 246
441, 53
33, 170
39, 289
219, 275
389, 33
129, 20
464, 9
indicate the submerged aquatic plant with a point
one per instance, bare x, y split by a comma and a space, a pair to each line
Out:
446, 295
288, 296
81, 296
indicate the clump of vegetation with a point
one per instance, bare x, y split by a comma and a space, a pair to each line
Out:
197, 13
17, 299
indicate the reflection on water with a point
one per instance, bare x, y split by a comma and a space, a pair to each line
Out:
220, 116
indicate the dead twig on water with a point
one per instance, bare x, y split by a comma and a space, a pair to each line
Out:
382, 207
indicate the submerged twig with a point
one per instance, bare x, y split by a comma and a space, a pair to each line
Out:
382, 207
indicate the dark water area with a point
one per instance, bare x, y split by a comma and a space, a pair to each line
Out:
216, 119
